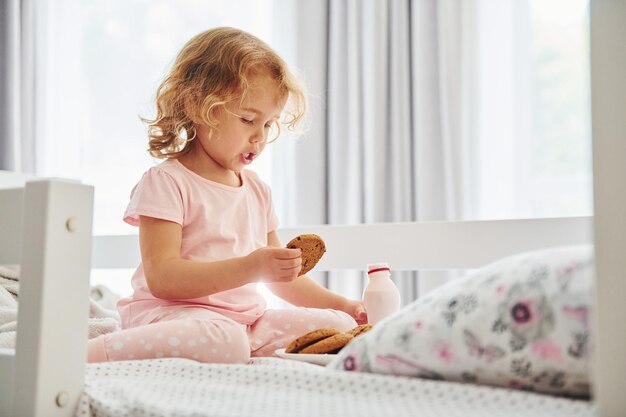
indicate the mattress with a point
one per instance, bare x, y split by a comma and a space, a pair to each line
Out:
275, 387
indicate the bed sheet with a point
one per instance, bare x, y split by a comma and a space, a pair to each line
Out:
275, 387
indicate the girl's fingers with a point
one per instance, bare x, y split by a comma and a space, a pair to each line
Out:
284, 254
291, 268
291, 263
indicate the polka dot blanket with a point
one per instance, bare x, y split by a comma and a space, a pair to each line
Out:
284, 388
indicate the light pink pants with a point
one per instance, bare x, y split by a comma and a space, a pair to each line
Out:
206, 336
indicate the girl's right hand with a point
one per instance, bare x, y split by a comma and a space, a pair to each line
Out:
273, 264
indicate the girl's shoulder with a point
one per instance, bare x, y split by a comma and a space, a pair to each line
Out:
169, 170
170, 167
167, 175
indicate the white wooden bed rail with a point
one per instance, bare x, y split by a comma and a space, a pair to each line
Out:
406, 246
50, 221
608, 114
49, 369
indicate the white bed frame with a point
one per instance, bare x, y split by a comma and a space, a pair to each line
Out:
57, 255
46, 228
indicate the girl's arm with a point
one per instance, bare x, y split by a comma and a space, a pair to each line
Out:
170, 277
304, 292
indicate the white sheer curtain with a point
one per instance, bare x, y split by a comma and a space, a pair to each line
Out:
443, 51
530, 108
393, 141
420, 110
19, 56
396, 79
85, 71
441, 110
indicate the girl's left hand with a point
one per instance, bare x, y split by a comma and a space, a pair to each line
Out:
356, 309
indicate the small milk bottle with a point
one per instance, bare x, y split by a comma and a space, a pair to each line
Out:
380, 297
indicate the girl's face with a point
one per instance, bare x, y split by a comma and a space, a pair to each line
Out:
241, 135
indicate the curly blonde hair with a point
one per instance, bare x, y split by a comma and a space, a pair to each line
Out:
212, 70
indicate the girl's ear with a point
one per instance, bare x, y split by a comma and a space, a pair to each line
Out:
203, 131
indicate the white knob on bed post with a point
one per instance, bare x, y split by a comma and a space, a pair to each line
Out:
70, 224
62, 398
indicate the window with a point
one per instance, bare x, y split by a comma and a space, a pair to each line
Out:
533, 109
103, 63
528, 72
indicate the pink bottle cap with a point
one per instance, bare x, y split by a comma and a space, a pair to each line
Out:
383, 266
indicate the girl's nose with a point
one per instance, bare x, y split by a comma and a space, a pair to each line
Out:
258, 136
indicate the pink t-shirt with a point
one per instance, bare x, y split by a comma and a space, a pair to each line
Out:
218, 222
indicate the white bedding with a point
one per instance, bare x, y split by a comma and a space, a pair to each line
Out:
277, 387
102, 316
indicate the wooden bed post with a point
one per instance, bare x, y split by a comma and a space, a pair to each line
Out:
54, 298
608, 96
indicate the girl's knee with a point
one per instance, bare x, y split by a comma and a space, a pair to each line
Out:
346, 321
339, 320
227, 342
238, 349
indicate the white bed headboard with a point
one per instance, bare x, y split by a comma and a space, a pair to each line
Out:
405, 246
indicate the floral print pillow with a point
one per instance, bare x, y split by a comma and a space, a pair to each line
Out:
521, 322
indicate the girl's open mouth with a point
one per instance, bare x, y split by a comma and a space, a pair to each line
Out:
248, 157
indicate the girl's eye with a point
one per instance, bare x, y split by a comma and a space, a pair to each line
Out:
246, 121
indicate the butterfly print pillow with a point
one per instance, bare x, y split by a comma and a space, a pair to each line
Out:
521, 322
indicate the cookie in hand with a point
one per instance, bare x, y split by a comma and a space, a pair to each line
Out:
312, 247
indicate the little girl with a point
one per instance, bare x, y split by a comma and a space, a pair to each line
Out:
207, 226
